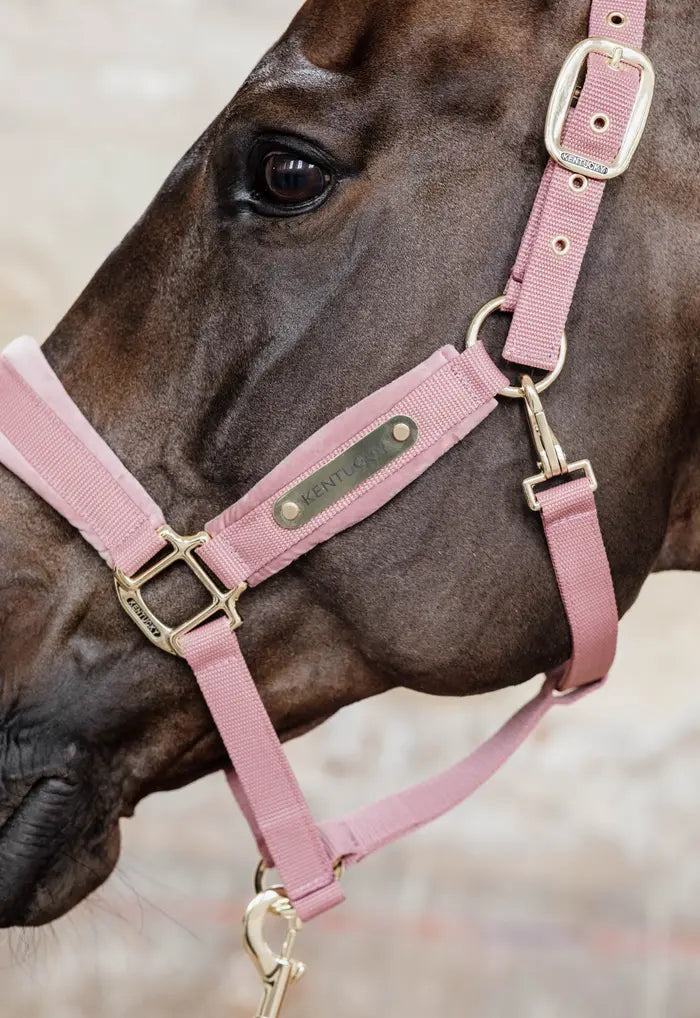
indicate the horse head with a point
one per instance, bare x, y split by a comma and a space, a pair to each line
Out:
357, 200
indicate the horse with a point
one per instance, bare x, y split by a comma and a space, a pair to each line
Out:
251, 304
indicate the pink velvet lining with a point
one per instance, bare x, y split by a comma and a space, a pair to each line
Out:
47, 442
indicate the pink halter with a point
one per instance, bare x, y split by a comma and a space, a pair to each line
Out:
312, 495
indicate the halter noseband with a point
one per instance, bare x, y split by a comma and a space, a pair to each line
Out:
345, 472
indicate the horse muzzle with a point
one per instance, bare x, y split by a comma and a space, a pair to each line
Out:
56, 841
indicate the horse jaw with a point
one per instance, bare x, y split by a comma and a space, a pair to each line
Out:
681, 547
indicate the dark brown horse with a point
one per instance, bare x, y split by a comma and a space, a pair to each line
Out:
249, 305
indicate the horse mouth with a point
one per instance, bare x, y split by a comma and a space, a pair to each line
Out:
48, 859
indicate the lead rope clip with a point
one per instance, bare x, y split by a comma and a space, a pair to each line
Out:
277, 970
550, 455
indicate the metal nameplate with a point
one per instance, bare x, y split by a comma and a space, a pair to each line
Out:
330, 483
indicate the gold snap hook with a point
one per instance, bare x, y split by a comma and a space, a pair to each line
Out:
550, 455
277, 969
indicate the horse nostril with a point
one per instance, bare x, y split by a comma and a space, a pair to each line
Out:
18, 790
34, 819
15, 791
56, 846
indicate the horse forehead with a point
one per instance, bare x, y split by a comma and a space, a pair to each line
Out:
381, 75
400, 60
350, 35
355, 36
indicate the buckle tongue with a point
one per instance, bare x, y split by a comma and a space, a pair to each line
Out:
563, 93
163, 636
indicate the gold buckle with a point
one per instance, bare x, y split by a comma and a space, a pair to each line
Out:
563, 93
550, 455
163, 636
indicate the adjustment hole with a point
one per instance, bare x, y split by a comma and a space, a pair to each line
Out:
600, 123
577, 182
560, 244
616, 19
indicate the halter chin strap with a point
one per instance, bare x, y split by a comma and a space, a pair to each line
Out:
344, 473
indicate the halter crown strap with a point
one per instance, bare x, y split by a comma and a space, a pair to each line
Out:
542, 282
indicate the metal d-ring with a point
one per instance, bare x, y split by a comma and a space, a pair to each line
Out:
514, 391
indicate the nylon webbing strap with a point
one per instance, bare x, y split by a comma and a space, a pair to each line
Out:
575, 543
542, 282
268, 792
446, 396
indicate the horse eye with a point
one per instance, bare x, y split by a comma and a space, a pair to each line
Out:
289, 180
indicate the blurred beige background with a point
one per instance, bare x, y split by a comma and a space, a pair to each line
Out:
570, 885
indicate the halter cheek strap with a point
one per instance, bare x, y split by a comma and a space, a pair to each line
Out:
596, 132
447, 396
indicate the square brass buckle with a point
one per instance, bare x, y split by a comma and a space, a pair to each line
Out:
132, 601
563, 93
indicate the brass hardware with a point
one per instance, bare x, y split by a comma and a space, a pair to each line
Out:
289, 511
578, 183
163, 636
401, 431
514, 391
345, 472
600, 122
560, 244
277, 970
550, 455
616, 19
563, 94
